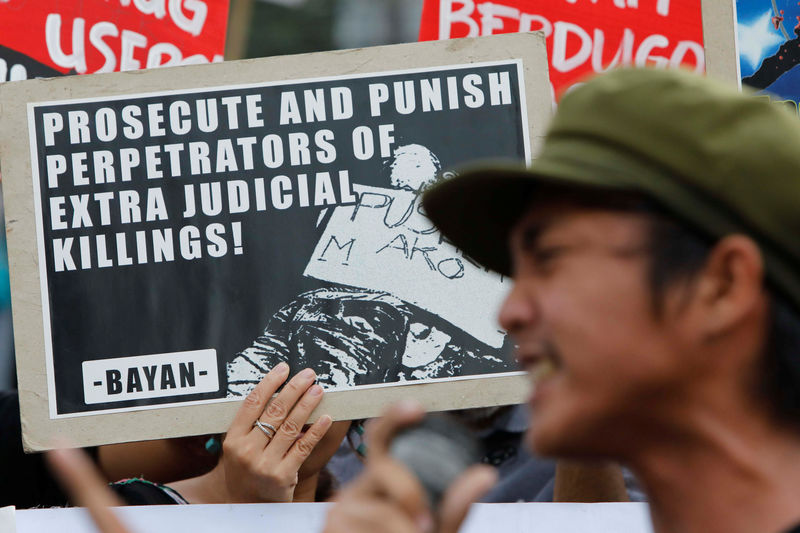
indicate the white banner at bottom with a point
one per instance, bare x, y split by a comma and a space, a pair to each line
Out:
310, 518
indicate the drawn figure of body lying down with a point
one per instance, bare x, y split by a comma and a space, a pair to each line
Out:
355, 336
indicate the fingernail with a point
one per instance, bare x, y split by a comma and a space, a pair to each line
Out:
307, 374
316, 390
281, 367
325, 421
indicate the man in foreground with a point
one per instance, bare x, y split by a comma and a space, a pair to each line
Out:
656, 263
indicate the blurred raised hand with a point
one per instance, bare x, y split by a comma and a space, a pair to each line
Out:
86, 487
387, 497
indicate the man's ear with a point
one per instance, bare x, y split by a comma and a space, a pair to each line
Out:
731, 285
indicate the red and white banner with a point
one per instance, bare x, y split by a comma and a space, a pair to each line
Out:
583, 36
48, 37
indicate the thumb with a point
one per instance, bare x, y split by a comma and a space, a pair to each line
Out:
466, 490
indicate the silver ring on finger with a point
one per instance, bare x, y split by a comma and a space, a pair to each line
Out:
266, 428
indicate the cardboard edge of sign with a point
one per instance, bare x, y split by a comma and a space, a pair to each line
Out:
39, 429
719, 40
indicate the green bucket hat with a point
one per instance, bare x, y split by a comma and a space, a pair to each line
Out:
721, 161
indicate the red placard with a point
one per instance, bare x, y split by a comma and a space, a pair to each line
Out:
583, 36
90, 36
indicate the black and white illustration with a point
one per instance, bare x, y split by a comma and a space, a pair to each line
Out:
189, 241
384, 254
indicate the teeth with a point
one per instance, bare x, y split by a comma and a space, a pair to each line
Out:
542, 369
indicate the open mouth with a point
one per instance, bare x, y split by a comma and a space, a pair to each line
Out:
541, 360
541, 369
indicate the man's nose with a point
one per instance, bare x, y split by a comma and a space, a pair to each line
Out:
518, 310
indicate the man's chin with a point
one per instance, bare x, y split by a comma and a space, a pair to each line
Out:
542, 445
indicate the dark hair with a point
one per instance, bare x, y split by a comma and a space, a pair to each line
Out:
677, 254
781, 383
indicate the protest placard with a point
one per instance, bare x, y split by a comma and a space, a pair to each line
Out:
45, 39
587, 36
769, 47
175, 233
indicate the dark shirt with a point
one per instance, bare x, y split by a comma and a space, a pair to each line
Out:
136, 491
